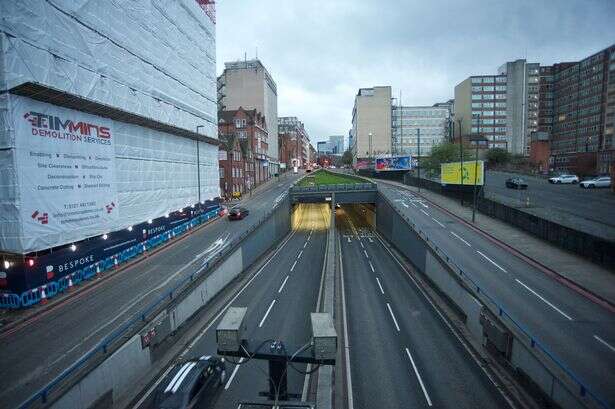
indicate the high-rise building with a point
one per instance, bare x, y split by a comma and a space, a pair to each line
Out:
336, 143
248, 84
324, 148
481, 107
410, 123
296, 141
584, 114
371, 122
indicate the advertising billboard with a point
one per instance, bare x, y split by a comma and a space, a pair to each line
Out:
393, 163
362, 163
450, 173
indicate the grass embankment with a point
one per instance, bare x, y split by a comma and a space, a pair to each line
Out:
323, 177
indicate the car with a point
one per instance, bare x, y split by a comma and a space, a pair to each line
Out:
516, 183
564, 179
601, 181
238, 213
191, 383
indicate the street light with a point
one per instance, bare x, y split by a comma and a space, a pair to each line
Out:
370, 149
460, 122
476, 140
198, 162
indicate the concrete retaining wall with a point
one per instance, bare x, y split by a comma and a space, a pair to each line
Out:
114, 377
526, 357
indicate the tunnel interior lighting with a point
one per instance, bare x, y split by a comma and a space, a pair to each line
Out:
129, 228
166, 215
149, 221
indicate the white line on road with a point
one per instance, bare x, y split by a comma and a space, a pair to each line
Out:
609, 346
267, 313
348, 239
460, 238
404, 205
424, 205
491, 261
393, 316
372, 267
299, 256
413, 204
370, 239
362, 246
230, 379
293, 266
424, 212
346, 348
544, 300
283, 284
381, 290
418, 375
305, 244
365, 252
441, 225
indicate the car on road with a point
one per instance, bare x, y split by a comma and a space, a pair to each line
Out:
562, 179
191, 383
601, 181
516, 183
238, 213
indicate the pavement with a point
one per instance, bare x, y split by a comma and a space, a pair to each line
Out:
578, 331
36, 350
588, 210
279, 301
402, 354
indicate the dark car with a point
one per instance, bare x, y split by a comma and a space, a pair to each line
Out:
516, 183
238, 213
190, 383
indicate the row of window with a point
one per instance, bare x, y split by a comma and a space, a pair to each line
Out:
488, 96
411, 113
488, 129
489, 113
498, 104
489, 80
489, 88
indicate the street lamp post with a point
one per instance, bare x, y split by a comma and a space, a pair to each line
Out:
476, 141
418, 158
198, 163
460, 122
370, 149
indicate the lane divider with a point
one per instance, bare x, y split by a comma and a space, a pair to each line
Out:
603, 342
491, 261
418, 375
380, 285
393, 316
266, 314
461, 238
544, 300
283, 284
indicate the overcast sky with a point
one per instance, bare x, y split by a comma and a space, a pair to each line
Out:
321, 52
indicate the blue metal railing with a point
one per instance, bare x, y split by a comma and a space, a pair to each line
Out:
503, 312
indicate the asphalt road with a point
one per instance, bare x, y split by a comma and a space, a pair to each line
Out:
402, 354
567, 203
579, 332
34, 353
279, 301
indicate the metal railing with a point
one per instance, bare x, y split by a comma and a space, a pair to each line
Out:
534, 342
343, 187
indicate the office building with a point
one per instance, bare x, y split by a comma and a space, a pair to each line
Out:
337, 144
371, 123
248, 84
431, 124
324, 148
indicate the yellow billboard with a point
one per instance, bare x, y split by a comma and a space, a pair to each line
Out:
450, 173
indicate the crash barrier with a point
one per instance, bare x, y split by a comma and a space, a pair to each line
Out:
123, 357
526, 353
346, 187
53, 288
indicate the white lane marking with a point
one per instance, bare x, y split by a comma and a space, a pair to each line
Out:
393, 316
365, 252
491, 261
435, 220
230, 379
424, 212
609, 346
370, 239
418, 375
544, 300
372, 267
424, 205
305, 244
299, 256
460, 238
348, 239
381, 289
283, 284
413, 204
266, 314
293, 266
346, 348
405, 205
362, 246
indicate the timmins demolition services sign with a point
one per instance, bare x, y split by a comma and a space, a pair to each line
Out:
66, 165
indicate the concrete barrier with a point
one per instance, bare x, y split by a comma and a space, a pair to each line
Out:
113, 378
532, 361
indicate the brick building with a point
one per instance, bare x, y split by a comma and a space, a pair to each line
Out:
243, 156
296, 141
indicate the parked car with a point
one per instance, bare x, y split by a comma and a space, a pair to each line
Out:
516, 183
601, 181
191, 383
238, 213
564, 179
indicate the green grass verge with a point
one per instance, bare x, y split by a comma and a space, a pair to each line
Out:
323, 177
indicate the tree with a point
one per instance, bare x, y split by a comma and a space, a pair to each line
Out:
443, 153
498, 156
347, 157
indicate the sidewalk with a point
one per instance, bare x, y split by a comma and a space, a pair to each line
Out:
574, 268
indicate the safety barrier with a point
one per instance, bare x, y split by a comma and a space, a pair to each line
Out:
52, 288
501, 311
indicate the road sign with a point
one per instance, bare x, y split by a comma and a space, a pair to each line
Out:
450, 173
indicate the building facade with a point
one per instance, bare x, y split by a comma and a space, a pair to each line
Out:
324, 148
371, 123
295, 140
248, 84
430, 124
337, 144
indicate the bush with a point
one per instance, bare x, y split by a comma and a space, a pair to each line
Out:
498, 156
